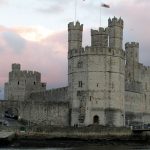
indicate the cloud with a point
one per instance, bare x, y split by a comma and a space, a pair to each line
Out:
14, 41
55, 9
48, 55
3, 2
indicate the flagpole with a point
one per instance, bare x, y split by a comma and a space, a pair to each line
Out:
100, 11
75, 11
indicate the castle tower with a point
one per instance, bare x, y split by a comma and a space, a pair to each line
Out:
76, 73
16, 67
115, 33
99, 38
22, 83
75, 35
96, 76
132, 61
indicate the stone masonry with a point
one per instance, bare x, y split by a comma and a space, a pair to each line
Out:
106, 84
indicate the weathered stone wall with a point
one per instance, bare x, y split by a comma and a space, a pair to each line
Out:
53, 95
137, 86
22, 83
39, 112
134, 107
50, 113
97, 73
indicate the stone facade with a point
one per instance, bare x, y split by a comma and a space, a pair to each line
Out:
96, 75
22, 83
106, 84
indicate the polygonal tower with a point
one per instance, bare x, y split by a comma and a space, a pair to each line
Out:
74, 35
115, 32
96, 75
99, 38
76, 75
132, 61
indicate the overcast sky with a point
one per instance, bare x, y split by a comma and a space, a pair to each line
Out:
34, 32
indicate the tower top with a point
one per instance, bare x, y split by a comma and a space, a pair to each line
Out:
115, 22
101, 30
16, 67
132, 44
76, 26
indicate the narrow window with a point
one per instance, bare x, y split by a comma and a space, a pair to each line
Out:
18, 82
145, 86
80, 83
90, 98
34, 82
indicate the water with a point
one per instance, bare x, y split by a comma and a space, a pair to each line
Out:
93, 147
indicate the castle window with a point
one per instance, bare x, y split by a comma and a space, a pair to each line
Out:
18, 82
80, 64
145, 86
80, 83
90, 98
112, 85
96, 119
34, 82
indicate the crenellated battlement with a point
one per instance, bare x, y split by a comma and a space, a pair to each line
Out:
133, 86
131, 45
99, 38
76, 26
96, 51
115, 22
146, 70
101, 30
16, 67
24, 74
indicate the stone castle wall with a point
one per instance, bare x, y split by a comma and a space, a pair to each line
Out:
38, 112
102, 88
53, 95
50, 113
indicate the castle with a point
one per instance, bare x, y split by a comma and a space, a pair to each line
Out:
106, 84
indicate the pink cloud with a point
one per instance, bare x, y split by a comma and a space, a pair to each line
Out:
48, 56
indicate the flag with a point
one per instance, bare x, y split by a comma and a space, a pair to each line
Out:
105, 5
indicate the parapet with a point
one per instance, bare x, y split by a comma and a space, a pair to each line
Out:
115, 22
96, 51
76, 26
146, 70
16, 67
101, 31
17, 73
133, 86
131, 45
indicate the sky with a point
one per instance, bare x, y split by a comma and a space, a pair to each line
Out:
34, 33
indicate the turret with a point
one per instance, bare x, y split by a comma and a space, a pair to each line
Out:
132, 61
16, 67
132, 52
115, 33
99, 38
74, 35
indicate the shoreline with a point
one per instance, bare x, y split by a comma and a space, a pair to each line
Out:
73, 137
